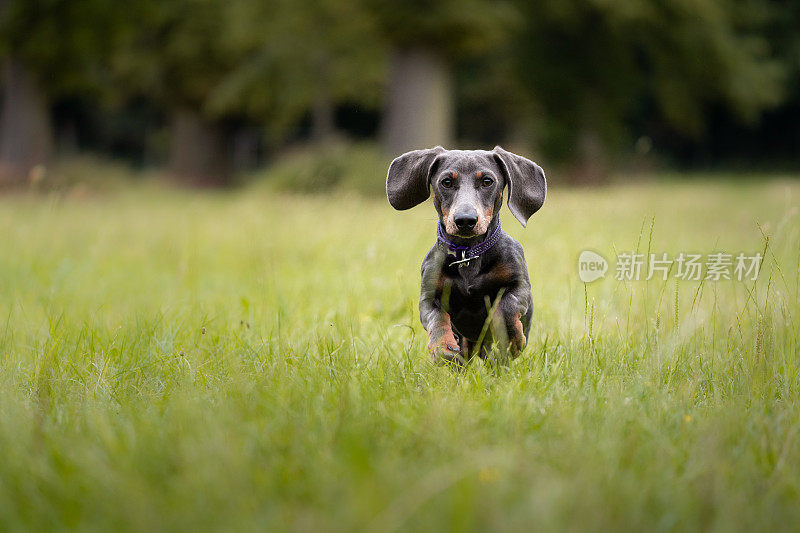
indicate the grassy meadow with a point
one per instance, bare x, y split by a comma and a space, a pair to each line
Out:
253, 360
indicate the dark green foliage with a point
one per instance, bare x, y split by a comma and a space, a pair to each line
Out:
453, 27
65, 43
292, 54
595, 65
555, 75
334, 166
175, 53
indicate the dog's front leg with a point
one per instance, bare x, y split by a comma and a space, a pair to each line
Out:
507, 328
442, 342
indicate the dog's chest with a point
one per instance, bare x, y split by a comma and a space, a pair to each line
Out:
468, 283
468, 271
470, 296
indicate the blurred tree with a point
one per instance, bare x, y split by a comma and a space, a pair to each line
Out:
50, 48
297, 58
174, 54
783, 31
426, 39
25, 129
591, 64
577, 76
274, 62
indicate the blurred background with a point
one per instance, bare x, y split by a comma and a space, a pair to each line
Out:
311, 93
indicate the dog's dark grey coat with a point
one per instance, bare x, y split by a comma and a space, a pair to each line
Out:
456, 299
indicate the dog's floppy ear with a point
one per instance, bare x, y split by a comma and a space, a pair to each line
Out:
527, 187
408, 180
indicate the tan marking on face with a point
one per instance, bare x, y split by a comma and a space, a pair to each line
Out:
484, 216
449, 223
479, 174
484, 219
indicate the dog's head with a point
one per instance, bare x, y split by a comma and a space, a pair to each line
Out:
467, 186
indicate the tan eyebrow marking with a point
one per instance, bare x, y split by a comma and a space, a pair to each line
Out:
454, 174
479, 174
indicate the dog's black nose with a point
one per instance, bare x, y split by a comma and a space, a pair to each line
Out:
466, 220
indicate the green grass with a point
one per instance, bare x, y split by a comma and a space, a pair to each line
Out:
252, 360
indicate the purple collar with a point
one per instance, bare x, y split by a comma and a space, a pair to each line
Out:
468, 252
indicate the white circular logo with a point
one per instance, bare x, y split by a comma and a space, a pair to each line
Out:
591, 266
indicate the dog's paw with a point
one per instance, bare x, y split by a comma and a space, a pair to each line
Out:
444, 348
448, 356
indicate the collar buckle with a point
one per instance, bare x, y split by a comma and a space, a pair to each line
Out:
463, 262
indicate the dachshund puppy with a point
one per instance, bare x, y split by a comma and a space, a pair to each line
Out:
475, 296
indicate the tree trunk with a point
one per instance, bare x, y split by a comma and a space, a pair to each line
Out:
519, 137
198, 152
26, 137
322, 118
591, 165
245, 151
419, 102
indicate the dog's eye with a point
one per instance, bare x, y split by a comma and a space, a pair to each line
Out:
487, 182
447, 183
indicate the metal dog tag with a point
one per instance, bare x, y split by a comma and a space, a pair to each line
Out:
463, 262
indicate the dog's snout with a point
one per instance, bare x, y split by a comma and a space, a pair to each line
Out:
466, 221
